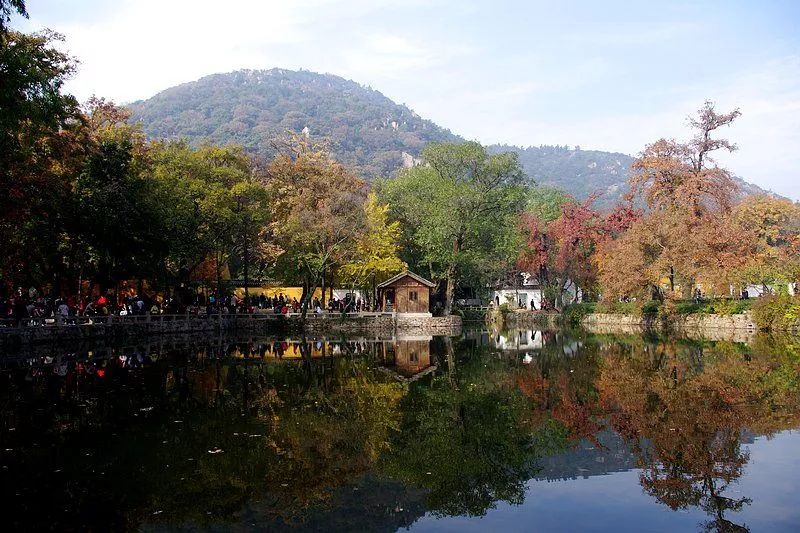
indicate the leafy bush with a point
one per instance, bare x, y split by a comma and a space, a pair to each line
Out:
777, 313
714, 307
646, 309
650, 308
573, 314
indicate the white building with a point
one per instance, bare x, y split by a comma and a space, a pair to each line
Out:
528, 291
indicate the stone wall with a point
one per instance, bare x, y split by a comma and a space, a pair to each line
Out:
116, 327
739, 327
531, 319
521, 319
424, 325
348, 325
430, 325
694, 321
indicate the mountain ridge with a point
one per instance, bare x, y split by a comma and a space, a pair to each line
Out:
365, 129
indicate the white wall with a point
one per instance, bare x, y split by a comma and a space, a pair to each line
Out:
513, 297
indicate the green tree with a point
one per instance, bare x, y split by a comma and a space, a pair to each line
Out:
459, 209
7, 7
42, 145
214, 208
546, 203
117, 217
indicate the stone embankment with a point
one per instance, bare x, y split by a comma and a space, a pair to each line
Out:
711, 327
385, 324
35, 331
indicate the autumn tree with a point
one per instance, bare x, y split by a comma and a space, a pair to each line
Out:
459, 210
318, 214
687, 237
774, 225
561, 250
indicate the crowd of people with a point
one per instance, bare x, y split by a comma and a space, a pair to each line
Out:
282, 304
35, 306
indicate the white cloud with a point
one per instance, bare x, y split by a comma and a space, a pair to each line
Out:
148, 45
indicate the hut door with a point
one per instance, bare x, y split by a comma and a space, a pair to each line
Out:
389, 302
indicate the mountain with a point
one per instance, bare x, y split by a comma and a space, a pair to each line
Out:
586, 172
364, 129
579, 172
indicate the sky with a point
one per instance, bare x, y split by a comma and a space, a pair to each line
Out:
610, 75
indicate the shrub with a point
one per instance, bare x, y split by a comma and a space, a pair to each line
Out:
646, 309
714, 307
573, 314
650, 309
777, 313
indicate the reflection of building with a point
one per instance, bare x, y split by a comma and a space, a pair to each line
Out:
408, 358
521, 340
406, 293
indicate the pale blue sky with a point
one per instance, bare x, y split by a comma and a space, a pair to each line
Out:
606, 75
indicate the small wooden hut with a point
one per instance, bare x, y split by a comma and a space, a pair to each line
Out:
406, 293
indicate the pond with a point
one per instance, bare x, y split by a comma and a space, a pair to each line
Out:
513, 431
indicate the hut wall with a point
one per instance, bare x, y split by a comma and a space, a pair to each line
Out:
411, 296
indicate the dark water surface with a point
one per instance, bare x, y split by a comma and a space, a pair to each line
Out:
519, 431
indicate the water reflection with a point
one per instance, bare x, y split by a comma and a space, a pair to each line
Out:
374, 433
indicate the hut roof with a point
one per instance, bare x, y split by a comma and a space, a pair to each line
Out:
401, 275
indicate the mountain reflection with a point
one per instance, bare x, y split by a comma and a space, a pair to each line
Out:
371, 434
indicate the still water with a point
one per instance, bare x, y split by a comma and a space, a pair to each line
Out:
512, 431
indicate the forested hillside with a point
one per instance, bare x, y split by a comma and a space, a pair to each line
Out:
364, 129
579, 172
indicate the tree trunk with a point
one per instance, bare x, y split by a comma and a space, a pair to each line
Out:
304, 300
246, 278
449, 291
323, 290
451, 279
219, 276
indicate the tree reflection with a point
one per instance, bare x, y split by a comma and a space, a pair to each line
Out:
684, 410
468, 438
190, 438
